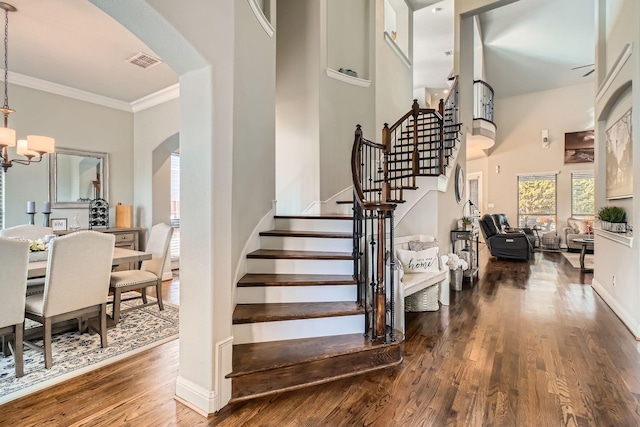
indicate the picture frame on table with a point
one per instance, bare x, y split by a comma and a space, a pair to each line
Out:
58, 224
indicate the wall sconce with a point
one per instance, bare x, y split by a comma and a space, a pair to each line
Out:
545, 138
497, 168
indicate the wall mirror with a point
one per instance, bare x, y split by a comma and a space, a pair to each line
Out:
76, 177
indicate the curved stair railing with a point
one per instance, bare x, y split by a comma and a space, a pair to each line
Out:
483, 101
421, 143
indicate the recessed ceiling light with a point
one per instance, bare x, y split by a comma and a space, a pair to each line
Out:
436, 9
446, 91
435, 94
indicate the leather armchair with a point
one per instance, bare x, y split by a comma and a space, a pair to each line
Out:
508, 245
503, 224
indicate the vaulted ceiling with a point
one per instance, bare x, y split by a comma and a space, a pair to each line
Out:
529, 45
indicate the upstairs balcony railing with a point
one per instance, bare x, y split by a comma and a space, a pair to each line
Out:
483, 101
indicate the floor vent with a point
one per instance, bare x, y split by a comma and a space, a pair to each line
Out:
145, 61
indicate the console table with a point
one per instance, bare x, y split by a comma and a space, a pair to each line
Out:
467, 237
126, 238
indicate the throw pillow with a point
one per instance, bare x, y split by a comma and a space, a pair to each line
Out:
575, 224
419, 245
419, 261
584, 227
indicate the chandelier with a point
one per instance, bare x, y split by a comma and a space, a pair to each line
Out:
35, 146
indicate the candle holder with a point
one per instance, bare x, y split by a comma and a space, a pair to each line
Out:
45, 222
31, 218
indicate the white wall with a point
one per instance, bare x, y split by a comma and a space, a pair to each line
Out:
616, 268
518, 147
297, 108
254, 131
74, 124
152, 127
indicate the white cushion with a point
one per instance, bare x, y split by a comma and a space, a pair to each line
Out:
131, 277
425, 261
35, 304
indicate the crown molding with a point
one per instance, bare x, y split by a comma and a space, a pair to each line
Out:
163, 95
143, 103
69, 92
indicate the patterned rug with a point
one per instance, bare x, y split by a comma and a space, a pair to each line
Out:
75, 353
574, 259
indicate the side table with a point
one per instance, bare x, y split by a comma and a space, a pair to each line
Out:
468, 236
586, 244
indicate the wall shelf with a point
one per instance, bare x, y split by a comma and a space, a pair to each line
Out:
347, 79
621, 238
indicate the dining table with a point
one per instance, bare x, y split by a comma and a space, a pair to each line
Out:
120, 256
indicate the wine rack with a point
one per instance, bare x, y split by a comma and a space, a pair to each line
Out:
98, 213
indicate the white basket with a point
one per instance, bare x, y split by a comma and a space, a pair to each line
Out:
424, 300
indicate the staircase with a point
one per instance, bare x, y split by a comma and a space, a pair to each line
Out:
297, 321
317, 302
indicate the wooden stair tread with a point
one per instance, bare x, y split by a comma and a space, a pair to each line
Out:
256, 357
273, 312
329, 216
289, 373
314, 234
282, 254
295, 280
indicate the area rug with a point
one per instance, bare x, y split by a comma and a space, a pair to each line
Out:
75, 353
574, 259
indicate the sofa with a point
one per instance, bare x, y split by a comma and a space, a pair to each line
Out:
576, 229
502, 244
409, 284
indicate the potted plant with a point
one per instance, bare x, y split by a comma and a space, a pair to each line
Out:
613, 218
466, 222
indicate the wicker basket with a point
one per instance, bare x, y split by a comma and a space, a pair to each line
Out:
424, 300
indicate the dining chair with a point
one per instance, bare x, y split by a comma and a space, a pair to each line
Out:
27, 231
149, 274
14, 257
31, 232
76, 284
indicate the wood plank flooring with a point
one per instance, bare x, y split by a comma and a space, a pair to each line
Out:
530, 345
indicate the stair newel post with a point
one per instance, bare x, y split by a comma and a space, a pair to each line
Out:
380, 293
415, 156
392, 269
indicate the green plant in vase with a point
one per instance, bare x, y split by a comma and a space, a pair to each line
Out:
466, 221
613, 218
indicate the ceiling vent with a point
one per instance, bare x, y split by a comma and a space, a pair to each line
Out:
145, 61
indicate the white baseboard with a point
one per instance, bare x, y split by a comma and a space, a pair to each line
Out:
198, 398
203, 401
621, 312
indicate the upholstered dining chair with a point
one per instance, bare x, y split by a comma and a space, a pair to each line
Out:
76, 284
27, 231
31, 232
14, 257
149, 274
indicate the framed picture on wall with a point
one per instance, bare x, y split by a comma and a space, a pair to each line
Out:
578, 147
619, 159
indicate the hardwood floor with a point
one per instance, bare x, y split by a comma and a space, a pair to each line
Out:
530, 345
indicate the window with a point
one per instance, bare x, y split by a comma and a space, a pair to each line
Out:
582, 195
537, 201
175, 205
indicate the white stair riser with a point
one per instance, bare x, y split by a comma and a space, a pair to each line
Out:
300, 224
294, 329
306, 244
277, 294
299, 266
